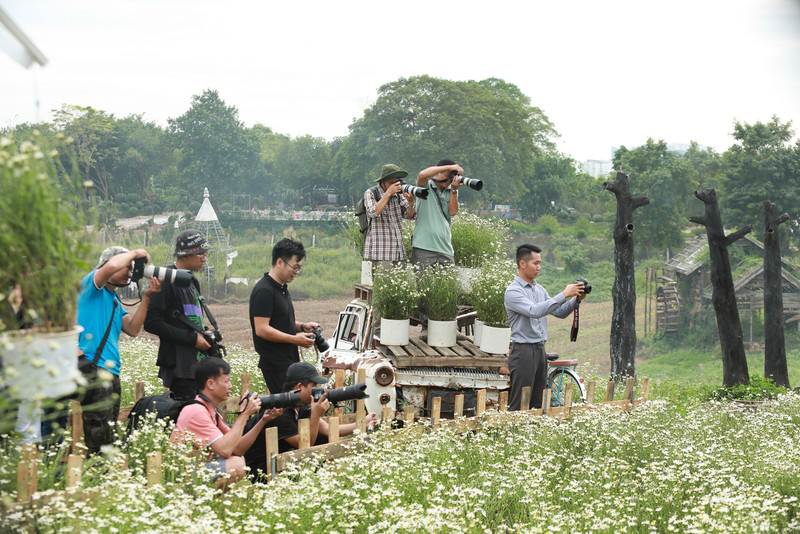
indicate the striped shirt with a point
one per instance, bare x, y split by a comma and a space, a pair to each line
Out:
384, 240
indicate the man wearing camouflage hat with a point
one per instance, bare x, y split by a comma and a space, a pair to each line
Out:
101, 315
180, 345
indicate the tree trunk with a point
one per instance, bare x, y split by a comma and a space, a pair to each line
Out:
623, 320
734, 363
774, 340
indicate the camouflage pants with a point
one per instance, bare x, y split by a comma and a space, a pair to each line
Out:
100, 410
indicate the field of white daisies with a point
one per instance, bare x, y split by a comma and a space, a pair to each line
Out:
675, 464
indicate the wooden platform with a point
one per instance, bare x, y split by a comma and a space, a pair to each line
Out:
419, 354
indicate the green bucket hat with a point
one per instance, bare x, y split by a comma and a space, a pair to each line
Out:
390, 171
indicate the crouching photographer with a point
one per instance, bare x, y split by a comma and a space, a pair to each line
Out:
176, 316
301, 378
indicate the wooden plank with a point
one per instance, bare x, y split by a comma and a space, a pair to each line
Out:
333, 429
338, 382
398, 351
245, 385
24, 492
471, 348
645, 388
423, 350
568, 398
502, 403
304, 433
451, 361
547, 397
154, 469
610, 391
436, 412
590, 387
629, 388
74, 466
460, 350
272, 450
458, 407
387, 414
361, 415
525, 400
138, 391
480, 403
76, 421
408, 415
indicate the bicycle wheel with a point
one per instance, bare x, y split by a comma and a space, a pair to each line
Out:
557, 382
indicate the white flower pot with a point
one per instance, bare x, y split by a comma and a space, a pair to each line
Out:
39, 365
495, 340
394, 331
366, 272
442, 333
477, 330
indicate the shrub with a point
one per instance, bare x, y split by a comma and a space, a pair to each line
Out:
488, 293
441, 292
474, 239
758, 389
395, 293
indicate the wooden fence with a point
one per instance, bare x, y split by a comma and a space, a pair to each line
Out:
27, 468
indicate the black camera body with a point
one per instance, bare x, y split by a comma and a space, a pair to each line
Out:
586, 287
319, 341
217, 349
177, 277
336, 396
419, 192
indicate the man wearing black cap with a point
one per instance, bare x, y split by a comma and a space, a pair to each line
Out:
386, 208
301, 377
180, 345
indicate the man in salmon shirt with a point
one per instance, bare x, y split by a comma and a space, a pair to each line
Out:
203, 421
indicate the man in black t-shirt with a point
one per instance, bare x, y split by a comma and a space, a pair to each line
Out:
275, 330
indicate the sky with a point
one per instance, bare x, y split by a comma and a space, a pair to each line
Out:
606, 73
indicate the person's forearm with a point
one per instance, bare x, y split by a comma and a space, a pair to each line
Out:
453, 206
248, 439
134, 326
226, 445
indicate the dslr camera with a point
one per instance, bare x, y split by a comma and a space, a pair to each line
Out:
319, 341
217, 349
419, 192
472, 183
177, 277
289, 399
586, 287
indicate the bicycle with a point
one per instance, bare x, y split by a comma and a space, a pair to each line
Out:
562, 373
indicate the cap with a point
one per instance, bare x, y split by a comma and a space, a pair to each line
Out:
191, 242
109, 253
300, 371
390, 171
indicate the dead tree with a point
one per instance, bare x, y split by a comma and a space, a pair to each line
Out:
734, 363
774, 340
623, 320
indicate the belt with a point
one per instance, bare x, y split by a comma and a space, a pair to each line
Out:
538, 343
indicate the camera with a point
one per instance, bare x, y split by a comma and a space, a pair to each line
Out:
419, 192
319, 341
289, 399
586, 287
472, 183
177, 277
335, 396
217, 349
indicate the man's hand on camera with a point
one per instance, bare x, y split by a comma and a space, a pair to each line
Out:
252, 405
394, 188
304, 340
574, 290
153, 287
456, 183
202, 343
318, 408
141, 253
271, 414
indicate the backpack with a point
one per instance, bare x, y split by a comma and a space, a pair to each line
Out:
164, 407
361, 212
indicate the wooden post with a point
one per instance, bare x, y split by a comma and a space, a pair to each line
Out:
645, 388
436, 412
304, 433
24, 475
138, 391
408, 415
547, 397
458, 408
338, 382
525, 399
480, 405
387, 414
590, 386
333, 429
246, 384
154, 468
74, 466
610, 391
76, 421
568, 398
629, 388
502, 403
272, 450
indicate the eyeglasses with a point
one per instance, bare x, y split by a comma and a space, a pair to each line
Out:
295, 268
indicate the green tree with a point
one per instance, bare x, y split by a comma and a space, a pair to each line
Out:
143, 155
216, 149
489, 127
762, 165
303, 162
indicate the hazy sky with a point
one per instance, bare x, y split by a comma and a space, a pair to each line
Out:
606, 73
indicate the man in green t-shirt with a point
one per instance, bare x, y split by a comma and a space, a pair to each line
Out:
431, 243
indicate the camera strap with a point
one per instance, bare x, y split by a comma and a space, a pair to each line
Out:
102, 345
573, 334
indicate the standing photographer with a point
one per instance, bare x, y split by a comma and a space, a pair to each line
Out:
386, 208
102, 318
169, 317
528, 304
276, 333
432, 241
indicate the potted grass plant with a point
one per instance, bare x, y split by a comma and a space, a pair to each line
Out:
43, 239
476, 240
395, 295
441, 293
488, 299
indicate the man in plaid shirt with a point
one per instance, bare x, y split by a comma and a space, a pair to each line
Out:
385, 208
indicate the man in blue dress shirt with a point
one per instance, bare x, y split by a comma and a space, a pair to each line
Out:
528, 304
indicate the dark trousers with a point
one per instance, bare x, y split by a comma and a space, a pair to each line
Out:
527, 363
100, 412
183, 388
274, 380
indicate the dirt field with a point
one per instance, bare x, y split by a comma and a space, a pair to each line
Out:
591, 348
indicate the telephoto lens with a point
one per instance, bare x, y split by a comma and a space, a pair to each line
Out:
335, 396
289, 399
419, 192
472, 183
177, 277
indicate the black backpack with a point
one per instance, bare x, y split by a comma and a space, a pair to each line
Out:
164, 407
361, 212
